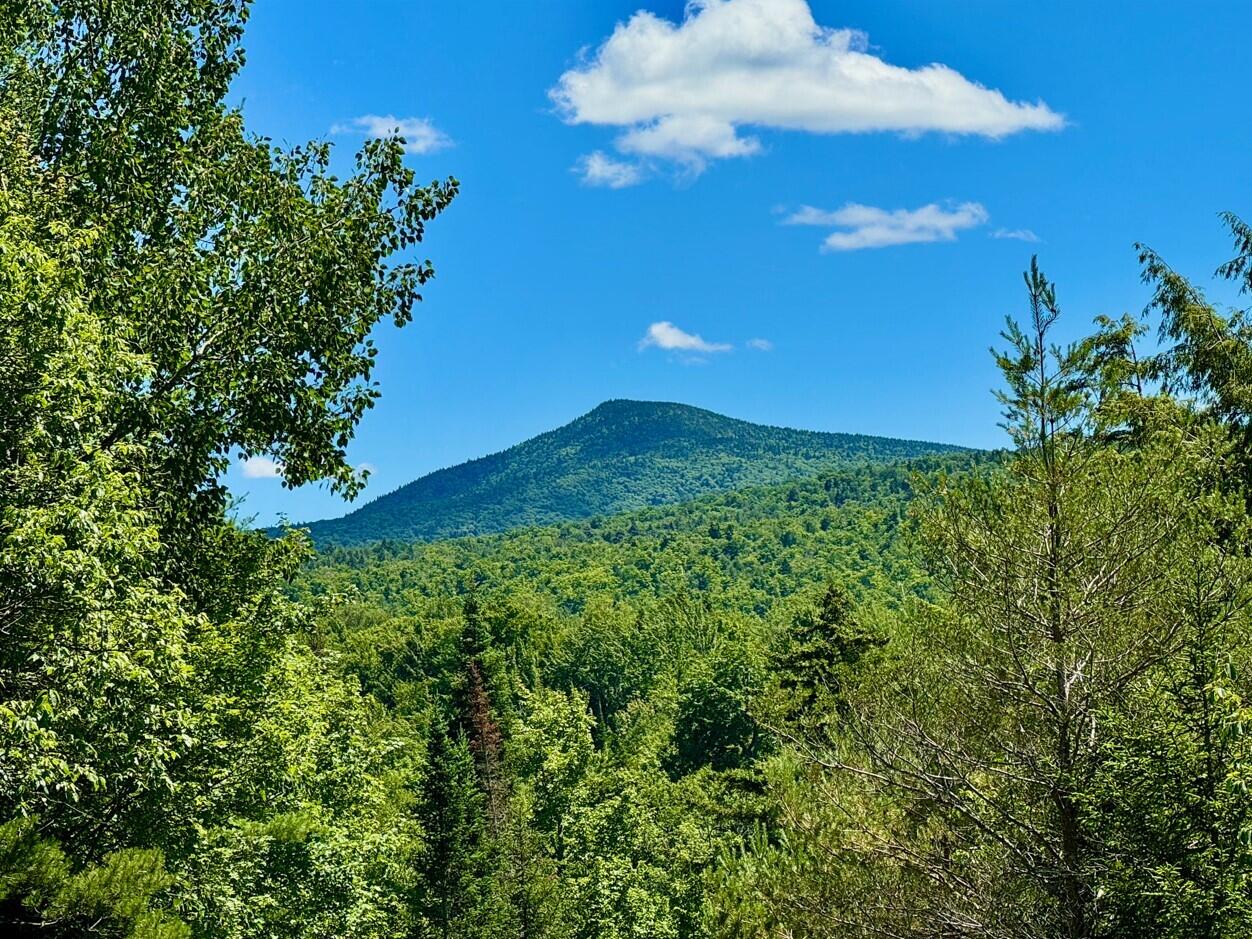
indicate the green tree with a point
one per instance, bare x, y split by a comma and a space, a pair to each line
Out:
175, 292
456, 856
963, 775
1169, 799
824, 646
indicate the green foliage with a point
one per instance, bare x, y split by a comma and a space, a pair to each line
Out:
173, 292
1053, 745
732, 548
112, 898
599, 693
821, 653
779, 696
246, 278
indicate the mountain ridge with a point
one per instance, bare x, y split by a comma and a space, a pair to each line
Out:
621, 455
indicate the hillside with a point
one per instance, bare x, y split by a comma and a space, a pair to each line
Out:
623, 455
743, 550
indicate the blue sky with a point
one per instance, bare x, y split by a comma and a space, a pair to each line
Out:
778, 210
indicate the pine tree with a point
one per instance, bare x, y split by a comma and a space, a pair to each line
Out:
1055, 584
823, 644
456, 856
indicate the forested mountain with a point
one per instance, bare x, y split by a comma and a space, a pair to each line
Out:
748, 548
622, 455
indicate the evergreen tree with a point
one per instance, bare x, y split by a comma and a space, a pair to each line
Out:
823, 644
456, 857
964, 776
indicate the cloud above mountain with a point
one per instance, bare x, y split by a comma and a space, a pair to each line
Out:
665, 335
693, 91
867, 226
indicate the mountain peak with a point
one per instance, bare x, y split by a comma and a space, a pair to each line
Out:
621, 455
629, 408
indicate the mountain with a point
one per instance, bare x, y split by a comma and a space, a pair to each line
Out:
623, 455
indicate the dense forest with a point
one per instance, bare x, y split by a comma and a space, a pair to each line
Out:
932, 694
748, 548
622, 455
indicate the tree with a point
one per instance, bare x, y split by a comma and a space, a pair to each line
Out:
970, 763
1207, 354
456, 857
175, 292
824, 646
1169, 798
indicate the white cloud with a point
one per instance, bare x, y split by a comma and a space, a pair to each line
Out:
1016, 234
366, 468
683, 91
419, 133
866, 226
599, 169
687, 139
261, 467
761, 345
665, 335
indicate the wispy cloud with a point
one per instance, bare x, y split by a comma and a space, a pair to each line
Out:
599, 169
261, 467
866, 226
665, 335
685, 91
419, 133
1016, 234
760, 345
